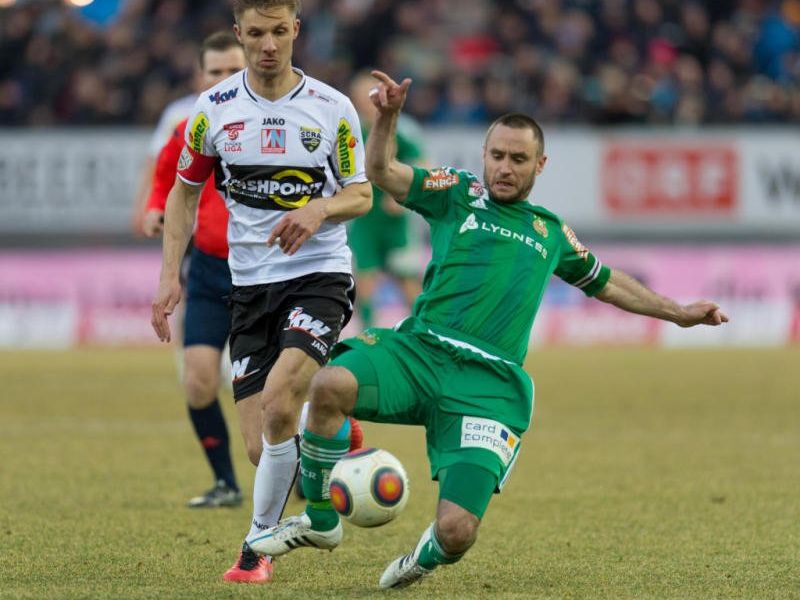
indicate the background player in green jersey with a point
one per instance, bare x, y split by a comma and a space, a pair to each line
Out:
385, 239
455, 366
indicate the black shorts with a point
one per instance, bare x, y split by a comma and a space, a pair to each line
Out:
307, 312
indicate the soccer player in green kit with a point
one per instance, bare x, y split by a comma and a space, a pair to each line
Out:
455, 365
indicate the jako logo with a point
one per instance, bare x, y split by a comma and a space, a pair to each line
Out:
224, 96
299, 319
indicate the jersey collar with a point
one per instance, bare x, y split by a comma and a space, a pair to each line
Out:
290, 95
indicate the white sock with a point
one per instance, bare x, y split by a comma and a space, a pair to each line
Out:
303, 418
273, 483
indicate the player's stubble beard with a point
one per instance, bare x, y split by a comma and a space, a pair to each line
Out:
524, 193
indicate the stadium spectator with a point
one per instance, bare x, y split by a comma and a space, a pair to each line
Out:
125, 70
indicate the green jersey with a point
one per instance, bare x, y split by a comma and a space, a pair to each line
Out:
491, 262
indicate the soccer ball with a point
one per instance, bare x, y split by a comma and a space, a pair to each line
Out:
369, 487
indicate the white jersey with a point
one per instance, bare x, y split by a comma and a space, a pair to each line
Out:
175, 112
271, 157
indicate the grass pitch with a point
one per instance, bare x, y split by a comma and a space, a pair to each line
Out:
647, 474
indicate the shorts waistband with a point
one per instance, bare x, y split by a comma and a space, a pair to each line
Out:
467, 346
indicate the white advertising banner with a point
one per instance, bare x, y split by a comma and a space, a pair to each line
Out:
733, 182
743, 181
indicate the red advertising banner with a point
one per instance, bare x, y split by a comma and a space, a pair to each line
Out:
670, 179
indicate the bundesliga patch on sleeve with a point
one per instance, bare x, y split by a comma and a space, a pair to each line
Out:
440, 179
197, 132
489, 435
345, 144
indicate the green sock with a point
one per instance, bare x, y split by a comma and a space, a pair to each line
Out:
432, 554
318, 454
365, 309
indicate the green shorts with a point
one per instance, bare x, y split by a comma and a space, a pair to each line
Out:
474, 409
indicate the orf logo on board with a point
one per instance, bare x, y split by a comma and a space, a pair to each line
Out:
273, 141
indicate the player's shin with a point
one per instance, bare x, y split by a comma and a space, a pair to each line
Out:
275, 475
318, 455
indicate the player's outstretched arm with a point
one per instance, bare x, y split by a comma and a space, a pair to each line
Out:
624, 292
383, 168
178, 224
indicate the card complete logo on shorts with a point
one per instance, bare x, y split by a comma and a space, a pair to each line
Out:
489, 435
345, 144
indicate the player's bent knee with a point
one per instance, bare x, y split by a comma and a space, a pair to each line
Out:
457, 530
333, 390
200, 391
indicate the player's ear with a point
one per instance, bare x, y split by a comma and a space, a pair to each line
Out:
540, 164
296, 28
238, 31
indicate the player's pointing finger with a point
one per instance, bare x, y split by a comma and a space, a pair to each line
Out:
383, 78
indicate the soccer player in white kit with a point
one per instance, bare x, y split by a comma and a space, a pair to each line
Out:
289, 161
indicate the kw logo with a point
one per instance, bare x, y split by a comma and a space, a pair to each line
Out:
239, 369
299, 319
219, 98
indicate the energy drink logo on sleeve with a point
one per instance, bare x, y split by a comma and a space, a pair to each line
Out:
197, 132
440, 179
345, 153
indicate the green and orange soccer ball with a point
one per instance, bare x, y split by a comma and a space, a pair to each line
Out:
369, 487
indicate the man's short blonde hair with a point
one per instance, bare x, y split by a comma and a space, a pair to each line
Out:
239, 6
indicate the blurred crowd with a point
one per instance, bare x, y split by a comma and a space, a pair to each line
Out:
570, 61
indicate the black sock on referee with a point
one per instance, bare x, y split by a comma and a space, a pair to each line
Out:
211, 431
